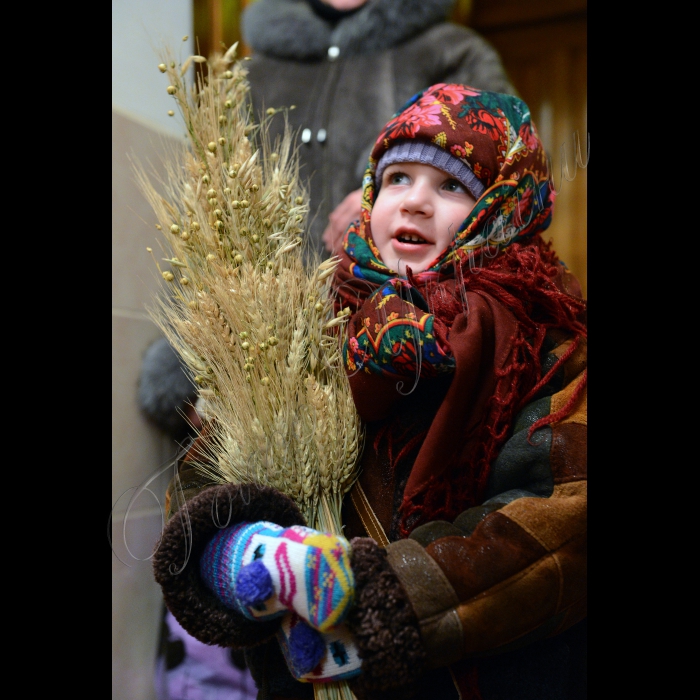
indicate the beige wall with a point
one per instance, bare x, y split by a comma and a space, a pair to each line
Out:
140, 29
138, 449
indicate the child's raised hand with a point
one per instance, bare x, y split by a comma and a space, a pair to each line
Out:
339, 219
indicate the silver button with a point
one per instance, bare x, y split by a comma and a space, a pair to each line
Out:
333, 53
321, 135
306, 136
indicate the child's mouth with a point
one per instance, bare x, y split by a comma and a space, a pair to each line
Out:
410, 239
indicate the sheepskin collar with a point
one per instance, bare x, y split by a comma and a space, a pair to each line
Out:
290, 29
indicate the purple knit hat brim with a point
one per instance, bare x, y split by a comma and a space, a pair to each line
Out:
429, 154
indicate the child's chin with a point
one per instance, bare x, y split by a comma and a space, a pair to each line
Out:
415, 265
417, 262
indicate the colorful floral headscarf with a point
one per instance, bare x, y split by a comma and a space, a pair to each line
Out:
494, 135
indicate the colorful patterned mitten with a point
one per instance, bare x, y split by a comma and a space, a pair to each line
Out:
263, 571
313, 657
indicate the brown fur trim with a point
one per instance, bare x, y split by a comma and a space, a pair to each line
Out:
176, 560
384, 625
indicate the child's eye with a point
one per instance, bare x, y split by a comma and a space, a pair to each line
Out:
454, 186
397, 178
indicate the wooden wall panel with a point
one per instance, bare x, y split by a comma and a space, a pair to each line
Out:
491, 14
547, 62
218, 22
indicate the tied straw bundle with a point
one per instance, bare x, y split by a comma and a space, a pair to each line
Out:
247, 313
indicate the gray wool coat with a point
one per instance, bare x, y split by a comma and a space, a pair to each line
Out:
347, 80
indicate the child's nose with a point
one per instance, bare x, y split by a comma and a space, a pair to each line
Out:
418, 200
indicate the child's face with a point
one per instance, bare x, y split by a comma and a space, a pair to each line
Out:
416, 214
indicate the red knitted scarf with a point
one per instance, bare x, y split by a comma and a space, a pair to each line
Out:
525, 279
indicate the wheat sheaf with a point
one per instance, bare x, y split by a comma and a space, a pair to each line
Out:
246, 305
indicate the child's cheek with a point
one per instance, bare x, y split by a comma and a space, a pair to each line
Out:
380, 221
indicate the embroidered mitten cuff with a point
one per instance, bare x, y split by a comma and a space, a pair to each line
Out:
316, 657
263, 570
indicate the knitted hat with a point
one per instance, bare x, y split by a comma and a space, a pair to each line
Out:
429, 154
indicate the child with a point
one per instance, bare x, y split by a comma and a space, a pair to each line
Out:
466, 357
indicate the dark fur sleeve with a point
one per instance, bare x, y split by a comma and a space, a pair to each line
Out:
384, 625
176, 560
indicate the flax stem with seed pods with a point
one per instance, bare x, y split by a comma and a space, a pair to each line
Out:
244, 308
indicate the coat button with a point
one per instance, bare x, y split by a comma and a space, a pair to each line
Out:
321, 135
306, 136
333, 53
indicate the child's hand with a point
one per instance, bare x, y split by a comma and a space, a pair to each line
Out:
264, 570
315, 657
339, 219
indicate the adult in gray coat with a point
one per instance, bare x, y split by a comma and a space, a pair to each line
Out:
347, 66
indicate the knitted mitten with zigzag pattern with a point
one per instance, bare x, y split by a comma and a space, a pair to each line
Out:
266, 571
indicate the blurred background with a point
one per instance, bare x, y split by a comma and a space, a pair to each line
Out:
544, 49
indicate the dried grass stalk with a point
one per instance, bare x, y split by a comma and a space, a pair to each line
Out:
251, 319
